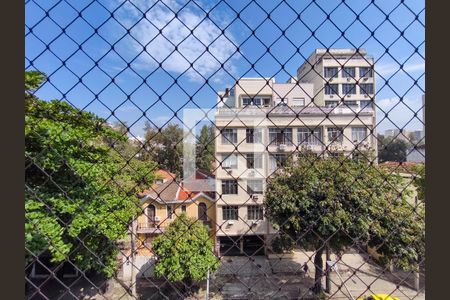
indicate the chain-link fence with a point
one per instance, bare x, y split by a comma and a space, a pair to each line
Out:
224, 149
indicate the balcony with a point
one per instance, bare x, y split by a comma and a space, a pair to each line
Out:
150, 227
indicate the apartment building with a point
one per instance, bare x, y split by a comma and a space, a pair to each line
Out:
260, 124
340, 76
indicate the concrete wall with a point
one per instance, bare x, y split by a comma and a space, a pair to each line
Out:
288, 91
143, 266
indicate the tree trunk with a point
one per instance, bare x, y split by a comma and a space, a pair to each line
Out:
318, 263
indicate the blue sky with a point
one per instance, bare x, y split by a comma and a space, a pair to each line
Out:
144, 64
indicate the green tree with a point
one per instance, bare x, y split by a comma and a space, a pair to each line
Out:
165, 146
328, 202
390, 149
419, 181
185, 251
79, 193
124, 146
205, 149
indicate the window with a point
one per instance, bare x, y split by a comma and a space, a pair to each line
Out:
277, 160
351, 103
365, 103
256, 101
359, 134
307, 136
280, 136
201, 210
169, 211
348, 89
183, 208
254, 161
229, 187
254, 186
331, 89
253, 135
366, 88
331, 103
151, 213
348, 72
365, 72
229, 136
331, 72
334, 154
298, 102
255, 212
230, 212
280, 102
229, 161
335, 134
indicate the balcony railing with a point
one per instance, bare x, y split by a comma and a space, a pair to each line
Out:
150, 227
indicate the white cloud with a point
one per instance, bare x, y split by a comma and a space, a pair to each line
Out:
160, 31
390, 68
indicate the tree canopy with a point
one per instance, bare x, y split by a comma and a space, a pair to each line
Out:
340, 203
79, 192
205, 148
185, 251
165, 146
390, 149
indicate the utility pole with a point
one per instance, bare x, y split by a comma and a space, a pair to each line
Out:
327, 271
207, 286
333, 265
133, 260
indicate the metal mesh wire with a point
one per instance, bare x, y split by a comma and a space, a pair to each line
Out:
271, 83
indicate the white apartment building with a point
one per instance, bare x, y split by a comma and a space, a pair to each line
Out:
340, 76
259, 125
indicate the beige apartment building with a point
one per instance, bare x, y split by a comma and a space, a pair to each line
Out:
261, 123
340, 75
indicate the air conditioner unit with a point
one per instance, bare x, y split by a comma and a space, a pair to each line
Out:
331, 96
230, 222
349, 95
365, 78
255, 197
282, 147
156, 218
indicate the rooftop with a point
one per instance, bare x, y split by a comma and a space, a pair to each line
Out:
289, 110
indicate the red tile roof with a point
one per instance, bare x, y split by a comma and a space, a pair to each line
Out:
163, 174
173, 190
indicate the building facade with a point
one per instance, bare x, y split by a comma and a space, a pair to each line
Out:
340, 76
167, 199
260, 124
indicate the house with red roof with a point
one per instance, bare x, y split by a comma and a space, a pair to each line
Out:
168, 198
